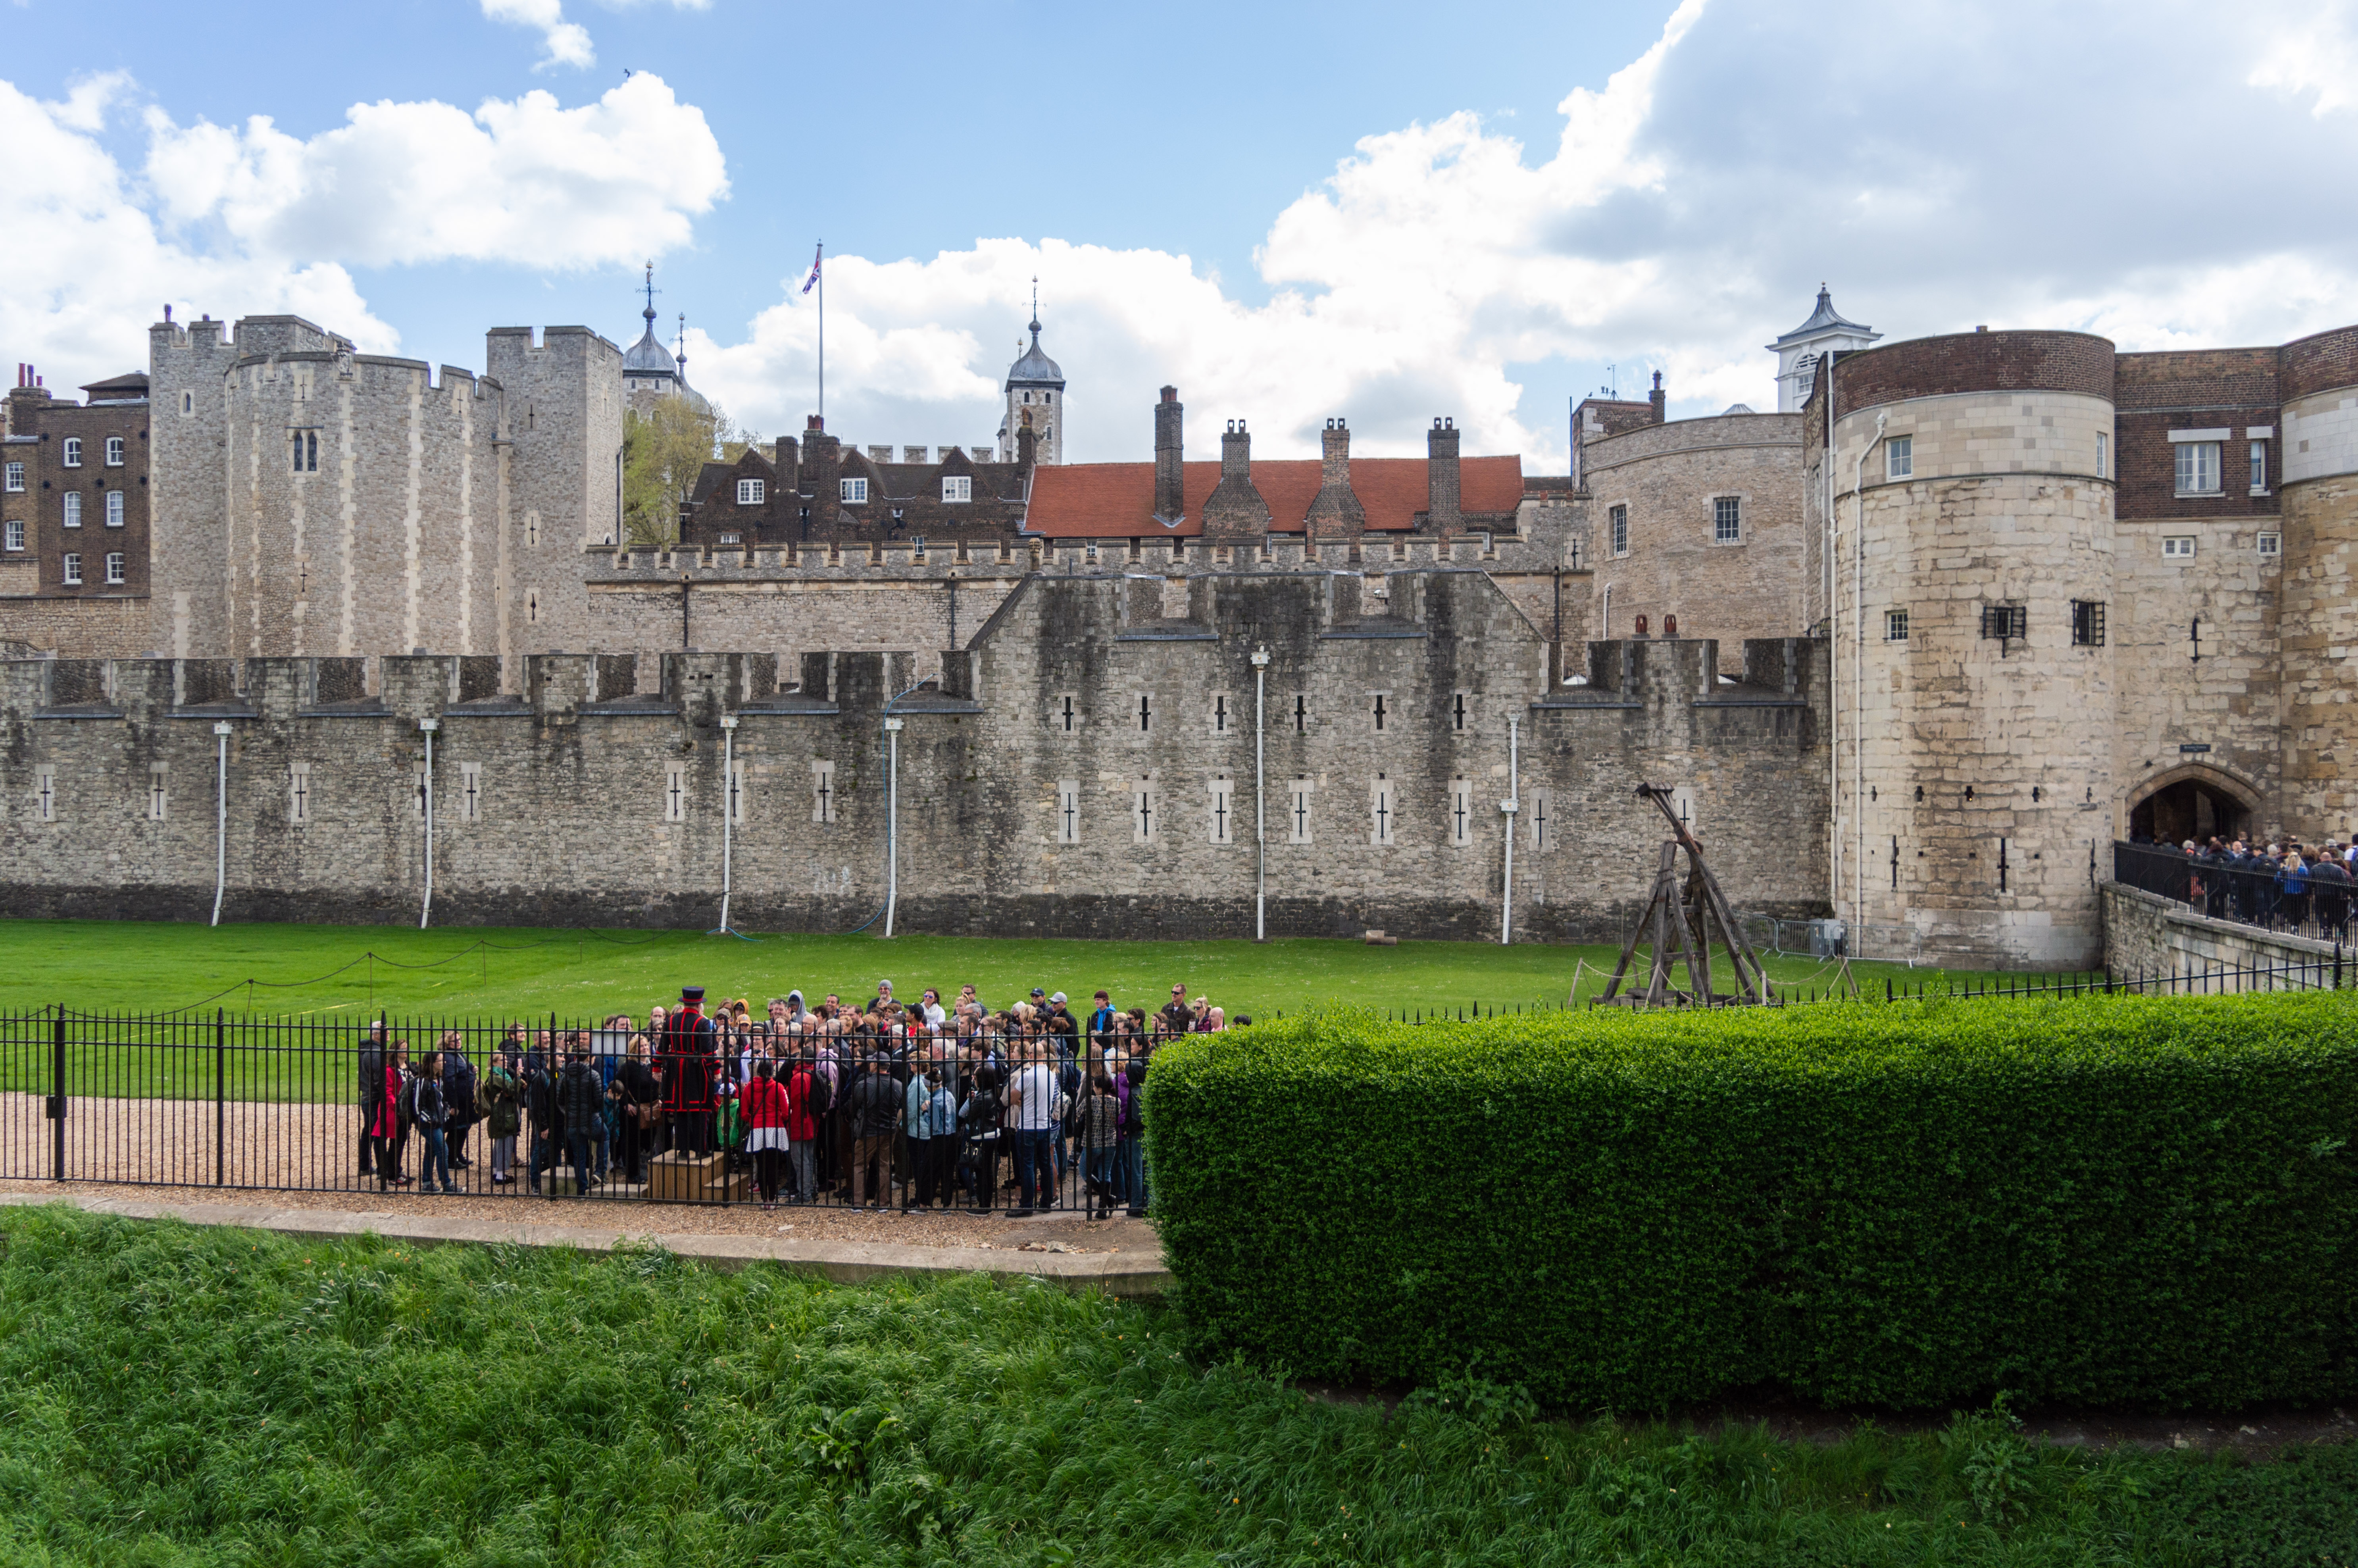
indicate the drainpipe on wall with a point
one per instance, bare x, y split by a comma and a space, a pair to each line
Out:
728, 809
1511, 806
425, 911
1261, 826
892, 821
221, 820
1858, 674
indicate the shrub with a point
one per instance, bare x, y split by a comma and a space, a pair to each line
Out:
2099, 1200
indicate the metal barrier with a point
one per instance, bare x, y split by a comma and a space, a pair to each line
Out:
2265, 897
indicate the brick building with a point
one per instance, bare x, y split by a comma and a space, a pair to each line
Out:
74, 506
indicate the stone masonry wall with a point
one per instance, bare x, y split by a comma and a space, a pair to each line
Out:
2148, 935
594, 795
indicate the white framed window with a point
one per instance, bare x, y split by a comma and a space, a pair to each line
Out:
1726, 520
72, 572
1297, 813
822, 792
74, 452
1145, 812
855, 491
15, 480
750, 491
299, 793
958, 487
731, 538
2259, 468
160, 797
2270, 544
1068, 811
1223, 819
1384, 811
1461, 811
1895, 626
115, 567
114, 451
2103, 455
15, 533
2178, 547
1619, 517
471, 792
674, 792
1899, 457
44, 791
115, 509
2198, 468
188, 404
73, 509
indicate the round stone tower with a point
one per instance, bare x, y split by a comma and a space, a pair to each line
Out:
1972, 552
2319, 380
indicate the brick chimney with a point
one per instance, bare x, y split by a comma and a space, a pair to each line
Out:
1170, 479
819, 448
1236, 510
1443, 514
1335, 516
1657, 399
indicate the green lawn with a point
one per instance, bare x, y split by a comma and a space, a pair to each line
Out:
326, 971
177, 1397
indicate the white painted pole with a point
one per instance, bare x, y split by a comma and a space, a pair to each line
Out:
891, 820
728, 807
425, 911
1511, 806
221, 820
1260, 824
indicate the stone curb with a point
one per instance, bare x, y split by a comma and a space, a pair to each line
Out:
844, 1262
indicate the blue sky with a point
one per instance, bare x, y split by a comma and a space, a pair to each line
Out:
1382, 211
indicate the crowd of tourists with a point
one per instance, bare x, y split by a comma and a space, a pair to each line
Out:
878, 1103
2285, 883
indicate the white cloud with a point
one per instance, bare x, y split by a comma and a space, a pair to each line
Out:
525, 180
253, 219
1683, 216
568, 42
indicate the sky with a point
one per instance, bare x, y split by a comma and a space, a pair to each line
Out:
1384, 212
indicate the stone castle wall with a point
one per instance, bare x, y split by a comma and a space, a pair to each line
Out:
594, 795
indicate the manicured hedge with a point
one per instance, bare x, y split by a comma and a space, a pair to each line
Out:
2101, 1200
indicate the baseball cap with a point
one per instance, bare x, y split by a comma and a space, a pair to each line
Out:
1037, 992
1058, 996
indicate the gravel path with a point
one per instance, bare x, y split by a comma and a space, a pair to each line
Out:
307, 1156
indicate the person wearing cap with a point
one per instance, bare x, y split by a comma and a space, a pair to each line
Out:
689, 1064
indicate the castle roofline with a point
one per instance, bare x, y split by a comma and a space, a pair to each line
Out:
1824, 320
1109, 501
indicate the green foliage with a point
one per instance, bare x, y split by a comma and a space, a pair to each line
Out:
663, 450
2101, 1200
175, 1396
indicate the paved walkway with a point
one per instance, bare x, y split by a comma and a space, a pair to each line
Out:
846, 1262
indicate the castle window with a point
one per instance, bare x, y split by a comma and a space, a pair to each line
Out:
115, 567
2005, 621
188, 404
1726, 520
855, 491
72, 509
2259, 468
115, 452
306, 452
1068, 811
74, 452
16, 477
1027, 398
730, 538
299, 793
1805, 376
1047, 397
749, 493
2198, 468
72, 574
1620, 519
1899, 457
15, 533
2103, 455
2087, 624
1895, 626
2269, 544
958, 487
2178, 547
917, 546
115, 509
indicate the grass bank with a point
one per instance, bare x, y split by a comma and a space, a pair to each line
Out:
347, 972
176, 1396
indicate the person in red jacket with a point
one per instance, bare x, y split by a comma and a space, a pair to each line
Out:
762, 1107
807, 1101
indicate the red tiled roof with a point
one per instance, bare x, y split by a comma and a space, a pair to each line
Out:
1113, 501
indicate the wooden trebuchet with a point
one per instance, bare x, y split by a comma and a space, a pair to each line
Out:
1678, 923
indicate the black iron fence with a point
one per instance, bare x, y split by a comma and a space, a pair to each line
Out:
2313, 903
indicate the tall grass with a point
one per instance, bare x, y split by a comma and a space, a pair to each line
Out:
178, 1396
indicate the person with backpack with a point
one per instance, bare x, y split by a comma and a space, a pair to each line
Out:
875, 1111
932, 1120
578, 1095
541, 1118
503, 1103
430, 1113
1094, 1117
979, 1121
764, 1107
460, 1083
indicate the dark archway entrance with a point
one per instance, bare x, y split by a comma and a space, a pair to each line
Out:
2190, 808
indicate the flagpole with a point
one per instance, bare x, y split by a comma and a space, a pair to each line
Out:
819, 266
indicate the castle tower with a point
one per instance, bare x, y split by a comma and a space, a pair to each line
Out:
2318, 377
650, 370
1036, 384
1973, 677
1801, 351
